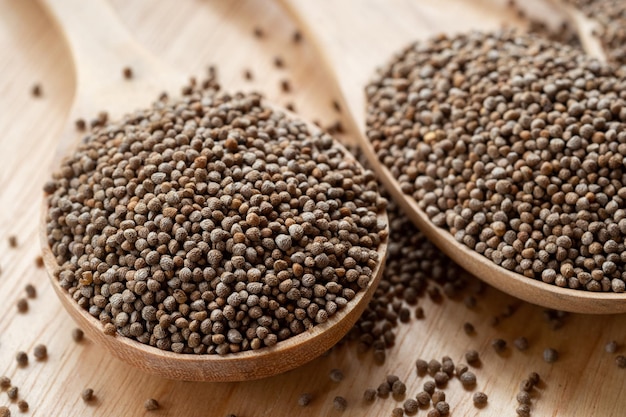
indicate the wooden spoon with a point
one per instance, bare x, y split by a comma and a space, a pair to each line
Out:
354, 38
101, 48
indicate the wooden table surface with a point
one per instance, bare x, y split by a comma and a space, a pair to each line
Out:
585, 381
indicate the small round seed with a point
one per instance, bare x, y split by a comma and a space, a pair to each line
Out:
127, 72
31, 292
443, 408
151, 404
429, 387
423, 398
468, 379
23, 406
5, 382
434, 413
611, 347
441, 379
12, 393
398, 388
472, 357
369, 395
620, 361
87, 394
305, 399
523, 397
22, 305
421, 366
438, 396
411, 406
499, 345
468, 328
479, 399
40, 352
523, 410
336, 375
4, 411
340, 403
550, 355
397, 412
21, 358
521, 343
78, 335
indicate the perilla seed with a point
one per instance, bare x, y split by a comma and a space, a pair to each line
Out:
87, 394
479, 399
151, 404
22, 358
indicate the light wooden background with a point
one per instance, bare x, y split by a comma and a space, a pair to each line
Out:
193, 34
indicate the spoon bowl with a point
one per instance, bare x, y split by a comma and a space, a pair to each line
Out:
352, 44
101, 48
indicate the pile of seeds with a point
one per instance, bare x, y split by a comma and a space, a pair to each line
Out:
212, 225
611, 17
514, 144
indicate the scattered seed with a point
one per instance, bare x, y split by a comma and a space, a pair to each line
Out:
40, 352
77, 335
550, 355
278, 62
384, 389
461, 369
151, 404
429, 387
620, 361
337, 106
258, 32
434, 413
534, 378
31, 292
419, 313
109, 329
336, 375
434, 366
441, 379
523, 397
127, 72
499, 345
521, 343
340, 403
397, 412
411, 406
369, 395
472, 357
87, 394
13, 241
305, 399
398, 388
421, 366
480, 399
36, 90
4, 411
443, 408
297, 36
526, 385
22, 405
39, 261
611, 347
80, 124
285, 85
22, 305
468, 328
438, 396
523, 410
5, 382
468, 379
12, 393
423, 398
22, 358
247, 74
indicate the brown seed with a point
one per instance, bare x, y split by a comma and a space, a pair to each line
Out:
247, 74
31, 292
534, 378
499, 345
36, 90
4, 411
526, 385
441, 379
78, 335
472, 357
285, 85
443, 408
384, 389
468, 328
429, 387
39, 261
468, 379
40, 352
13, 393
421, 366
611, 347
423, 398
523, 410
109, 329
369, 395
306, 398
434, 413
480, 399
340, 403
438, 396
397, 412
550, 355
22, 305
337, 106
5, 382
411, 406
151, 404
398, 388
521, 343
434, 366
13, 241
297, 36
336, 375
87, 394
258, 32
80, 124
460, 369
278, 62
523, 397
127, 72
620, 361
22, 358
22, 405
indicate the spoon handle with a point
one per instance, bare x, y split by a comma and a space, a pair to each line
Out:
101, 48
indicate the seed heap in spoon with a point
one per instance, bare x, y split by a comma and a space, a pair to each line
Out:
516, 146
213, 224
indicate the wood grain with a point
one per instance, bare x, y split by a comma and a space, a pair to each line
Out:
194, 34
